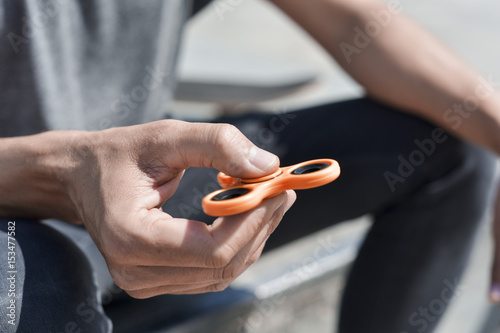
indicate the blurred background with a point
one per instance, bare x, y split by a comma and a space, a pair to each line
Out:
252, 56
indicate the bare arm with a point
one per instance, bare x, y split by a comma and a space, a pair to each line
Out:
400, 64
32, 176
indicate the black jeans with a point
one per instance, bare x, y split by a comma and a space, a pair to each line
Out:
426, 190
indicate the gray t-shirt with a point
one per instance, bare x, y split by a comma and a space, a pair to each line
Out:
86, 64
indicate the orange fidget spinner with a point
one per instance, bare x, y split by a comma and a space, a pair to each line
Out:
241, 195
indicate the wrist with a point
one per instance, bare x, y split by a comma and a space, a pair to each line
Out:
34, 176
64, 162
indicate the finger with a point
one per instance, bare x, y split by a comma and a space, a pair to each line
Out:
221, 146
220, 286
159, 240
132, 278
241, 239
147, 277
173, 290
258, 240
195, 288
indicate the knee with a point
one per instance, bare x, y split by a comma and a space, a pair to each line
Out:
465, 166
461, 180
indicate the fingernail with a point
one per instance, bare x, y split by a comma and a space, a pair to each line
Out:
263, 160
495, 293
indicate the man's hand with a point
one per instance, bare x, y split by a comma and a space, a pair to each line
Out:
115, 183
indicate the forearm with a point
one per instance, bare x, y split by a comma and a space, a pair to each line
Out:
32, 170
404, 66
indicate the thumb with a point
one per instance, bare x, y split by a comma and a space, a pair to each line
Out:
221, 146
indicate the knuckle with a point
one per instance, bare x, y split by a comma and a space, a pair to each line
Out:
270, 227
231, 147
253, 259
222, 257
226, 133
219, 286
138, 294
123, 279
229, 273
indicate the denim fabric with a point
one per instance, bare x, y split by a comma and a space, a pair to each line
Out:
54, 286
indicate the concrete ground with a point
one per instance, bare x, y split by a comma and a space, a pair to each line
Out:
470, 28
